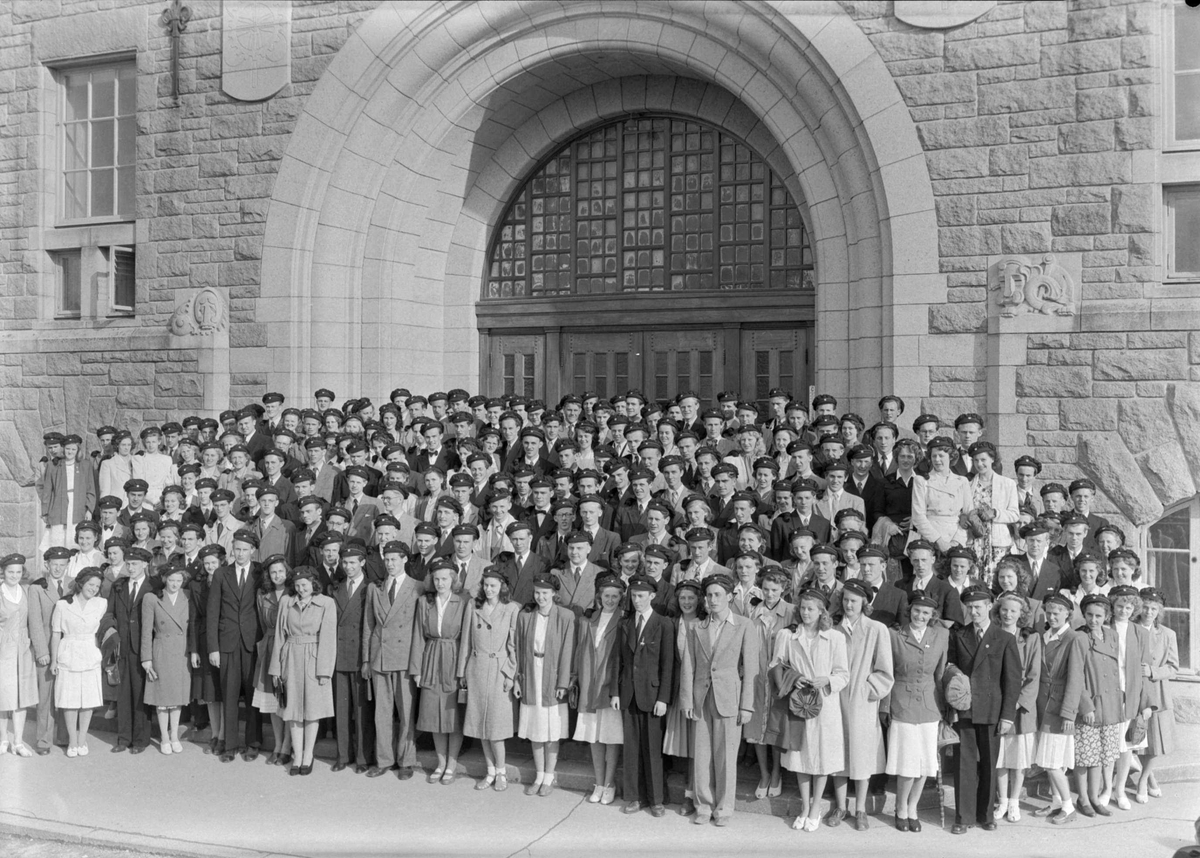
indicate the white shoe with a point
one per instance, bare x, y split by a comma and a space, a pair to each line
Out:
799, 823
811, 824
999, 812
1154, 792
1104, 798
177, 747
110, 714
1123, 802
165, 747
1014, 812
4, 747
22, 750
82, 750
72, 751
597, 791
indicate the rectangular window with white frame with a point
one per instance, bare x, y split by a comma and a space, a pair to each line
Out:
98, 122
1182, 225
68, 284
1182, 77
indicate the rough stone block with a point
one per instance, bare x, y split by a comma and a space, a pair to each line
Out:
1162, 468
920, 90
236, 125
1008, 160
63, 363
1080, 219
1065, 171
1133, 208
1106, 459
1158, 340
1148, 364
1088, 414
968, 241
179, 384
893, 47
957, 163
1135, 133
1080, 58
952, 133
1095, 24
1068, 381
1086, 137
135, 397
168, 181
957, 319
1183, 404
239, 273
992, 53
128, 374
1045, 15
247, 335
221, 164
1025, 238
1026, 95
955, 211
1103, 103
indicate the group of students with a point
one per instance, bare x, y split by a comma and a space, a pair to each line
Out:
848, 610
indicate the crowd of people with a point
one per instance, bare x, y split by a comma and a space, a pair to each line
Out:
666, 583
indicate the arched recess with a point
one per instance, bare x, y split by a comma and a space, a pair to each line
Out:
429, 117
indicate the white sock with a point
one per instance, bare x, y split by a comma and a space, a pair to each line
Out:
687, 793
1068, 807
491, 771
541, 778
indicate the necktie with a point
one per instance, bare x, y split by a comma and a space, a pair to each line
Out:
641, 625
132, 587
978, 634
392, 593
462, 569
241, 576
578, 572
353, 507
57, 590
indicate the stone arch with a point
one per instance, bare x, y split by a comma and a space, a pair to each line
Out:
427, 120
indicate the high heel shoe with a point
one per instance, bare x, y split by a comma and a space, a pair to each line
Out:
775, 789
597, 791
306, 770
1154, 792
902, 823
486, 783
608, 795
293, 771
1123, 802
434, 776
914, 825
448, 776
760, 792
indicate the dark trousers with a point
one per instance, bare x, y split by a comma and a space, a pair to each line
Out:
974, 772
133, 726
643, 756
237, 679
353, 712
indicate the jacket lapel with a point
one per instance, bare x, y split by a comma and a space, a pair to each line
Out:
174, 611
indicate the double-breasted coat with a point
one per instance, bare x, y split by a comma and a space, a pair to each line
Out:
816, 745
917, 666
1060, 681
487, 662
305, 651
869, 656
766, 622
168, 640
18, 672
434, 658
594, 657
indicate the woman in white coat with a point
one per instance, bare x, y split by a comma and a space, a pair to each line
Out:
940, 500
869, 653
994, 500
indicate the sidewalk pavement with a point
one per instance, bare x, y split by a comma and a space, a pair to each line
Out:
192, 804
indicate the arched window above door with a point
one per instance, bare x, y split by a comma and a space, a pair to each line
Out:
650, 204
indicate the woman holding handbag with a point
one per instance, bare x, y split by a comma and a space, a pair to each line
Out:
919, 652
809, 669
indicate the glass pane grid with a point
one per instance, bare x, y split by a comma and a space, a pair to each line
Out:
97, 142
650, 204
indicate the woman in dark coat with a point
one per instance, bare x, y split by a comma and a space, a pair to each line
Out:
206, 679
1098, 737
599, 724
1060, 694
545, 649
1017, 749
433, 663
267, 600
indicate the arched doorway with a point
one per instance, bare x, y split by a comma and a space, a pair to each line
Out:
656, 252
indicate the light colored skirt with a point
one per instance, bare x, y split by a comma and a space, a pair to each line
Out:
1055, 751
677, 733
1140, 746
265, 702
542, 723
605, 726
78, 689
912, 749
1017, 751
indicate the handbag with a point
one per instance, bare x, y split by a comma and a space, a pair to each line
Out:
1136, 733
947, 736
805, 701
281, 691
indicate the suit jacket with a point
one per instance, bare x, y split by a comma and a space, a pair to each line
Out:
642, 670
826, 508
1060, 686
629, 521
446, 459
557, 661
784, 526
546, 527
994, 666
327, 479
278, 537
125, 611
603, 546
232, 617
41, 609
362, 521
577, 595
729, 668
468, 583
1057, 572
350, 613
918, 667
387, 630
873, 497
287, 492
258, 444
520, 578
551, 550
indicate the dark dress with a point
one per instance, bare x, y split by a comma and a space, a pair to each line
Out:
206, 680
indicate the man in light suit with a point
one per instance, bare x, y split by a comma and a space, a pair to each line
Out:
716, 691
523, 564
468, 566
578, 576
44, 594
352, 707
275, 536
604, 542
232, 635
386, 644
325, 474
989, 656
641, 671
836, 497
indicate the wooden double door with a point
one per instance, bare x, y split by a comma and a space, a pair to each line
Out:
750, 360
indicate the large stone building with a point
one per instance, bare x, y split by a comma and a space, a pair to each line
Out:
977, 206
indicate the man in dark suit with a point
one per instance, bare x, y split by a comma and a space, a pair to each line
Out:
434, 454
1049, 572
275, 536
803, 517
125, 615
631, 517
232, 634
1076, 540
541, 515
352, 709
308, 540
865, 484
989, 657
604, 542
256, 443
553, 546
521, 565
272, 468
641, 672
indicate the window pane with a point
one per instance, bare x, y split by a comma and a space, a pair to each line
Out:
75, 201
1187, 107
68, 284
123, 279
127, 90
102, 192
1184, 203
75, 146
102, 143
77, 97
104, 84
126, 129
1187, 39
125, 192
1180, 622
1172, 531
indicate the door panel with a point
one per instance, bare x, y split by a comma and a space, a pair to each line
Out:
607, 364
774, 358
678, 361
516, 365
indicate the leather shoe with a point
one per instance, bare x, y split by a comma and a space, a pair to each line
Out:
41, 752
404, 773
117, 749
1103, 810
959, 828
1060, 818
293, 771
990, 825
860, 821
250, 755
376, 772
658, 811
359, 768
720, 821
835, 816
339, 766
1086, 809
687, 808
136, 749
306, 770
902, 823
228, 757
701, 818
632, 807
914, 825
546, 788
